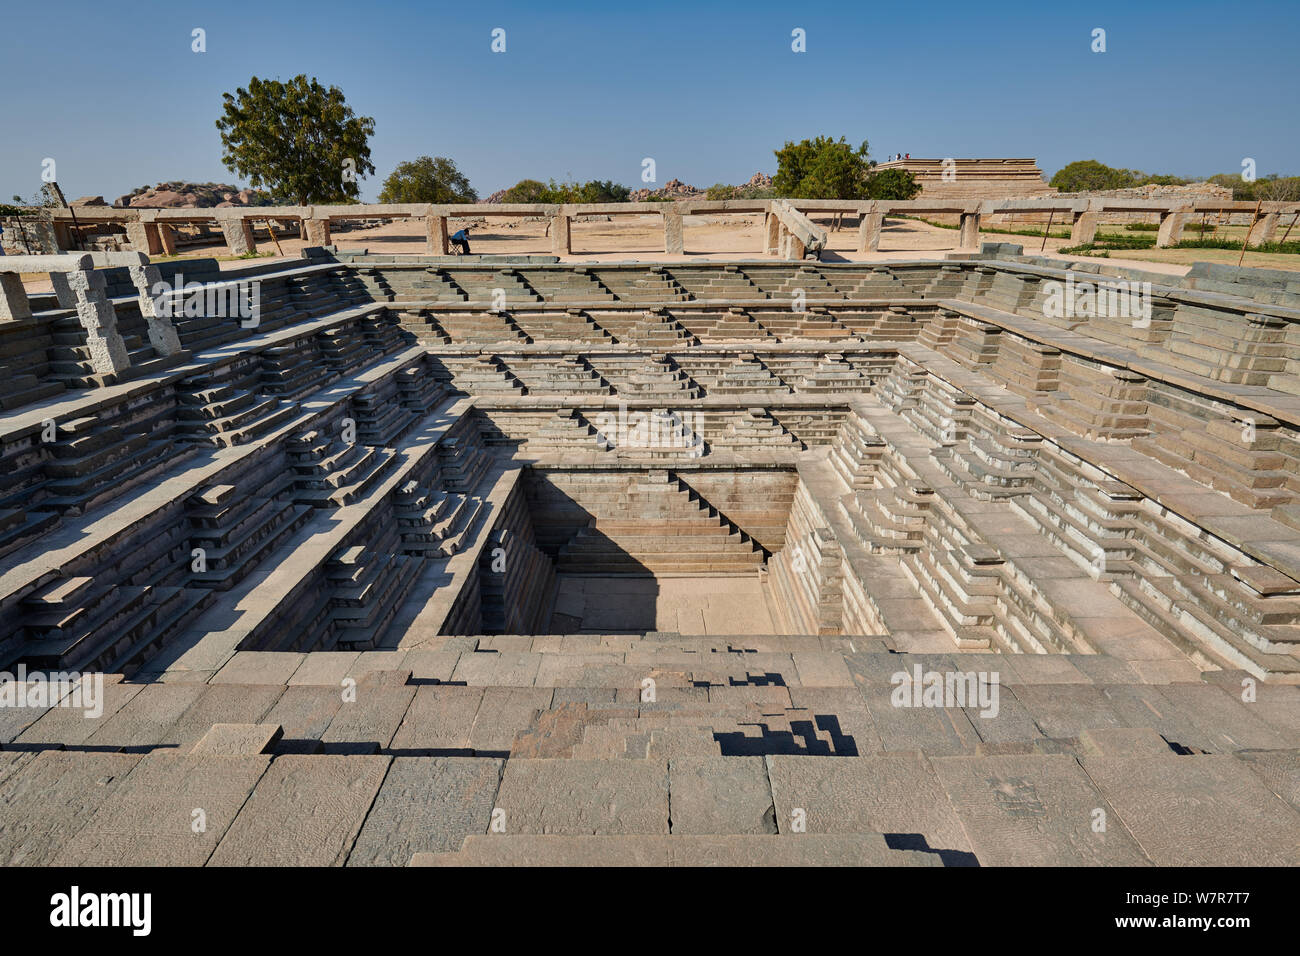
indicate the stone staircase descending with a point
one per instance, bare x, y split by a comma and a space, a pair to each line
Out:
656, 526
642, 285
332, 472
227, 406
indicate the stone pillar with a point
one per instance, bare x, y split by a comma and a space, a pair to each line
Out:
796, 249
435, 231
63, 293
13, 297
162, 334
239, 236
869, 231
63, 234
167, 239
561, 236
143, 237
1266, 230
107, 350
970, 230
318, 232
771, 235
1084, 230
1171, 228
673, 244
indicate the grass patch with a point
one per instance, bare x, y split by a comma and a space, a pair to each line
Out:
984, 229
1085, 249
1287, 248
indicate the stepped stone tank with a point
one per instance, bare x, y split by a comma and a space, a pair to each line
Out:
520, 561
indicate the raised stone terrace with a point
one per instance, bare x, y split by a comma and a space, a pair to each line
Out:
480, 562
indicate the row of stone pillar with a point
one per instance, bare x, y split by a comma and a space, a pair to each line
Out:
156, 238
159, 238
79, 286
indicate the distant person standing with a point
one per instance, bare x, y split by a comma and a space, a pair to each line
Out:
461, 241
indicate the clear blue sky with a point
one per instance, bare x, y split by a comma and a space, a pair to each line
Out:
586, 90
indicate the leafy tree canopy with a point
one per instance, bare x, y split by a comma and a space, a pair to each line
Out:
1271, 188
594, 191
891, 184
821, 168
1086, 175
427, 179
298, 140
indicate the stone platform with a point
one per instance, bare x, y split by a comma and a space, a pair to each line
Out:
749, 563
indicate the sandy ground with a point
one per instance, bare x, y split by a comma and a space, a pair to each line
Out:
712, 237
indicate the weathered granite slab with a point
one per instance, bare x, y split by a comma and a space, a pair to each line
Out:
891, 794
427, 805
720, 795
46, 803
438, 721
1038, 810
306, 811
172, 810
1208, 810
585, 796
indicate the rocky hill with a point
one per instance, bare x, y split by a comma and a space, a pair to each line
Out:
184, 195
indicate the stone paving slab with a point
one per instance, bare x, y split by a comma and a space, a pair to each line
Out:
897, 795
431, 665
14, 721
150, 818
504, 712
427, 805
585, 796
46, 803
70, 726
1034, 810
148, 717
305, 811
1144, 706
720, 795
497, 669
438, 721
841, 714
1123, 742
325, 667
1279, 769
304, 712
822, 669
259, 667
239, 739
1011, 722
936, 730
858, 849
368, 723
1209, 810
1065, 710
221, 704
1230, 724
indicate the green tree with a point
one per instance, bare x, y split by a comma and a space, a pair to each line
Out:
821, 168
594, 191
600, 190
526, 191
427, 179
891, 184
298, 139
1087, 174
